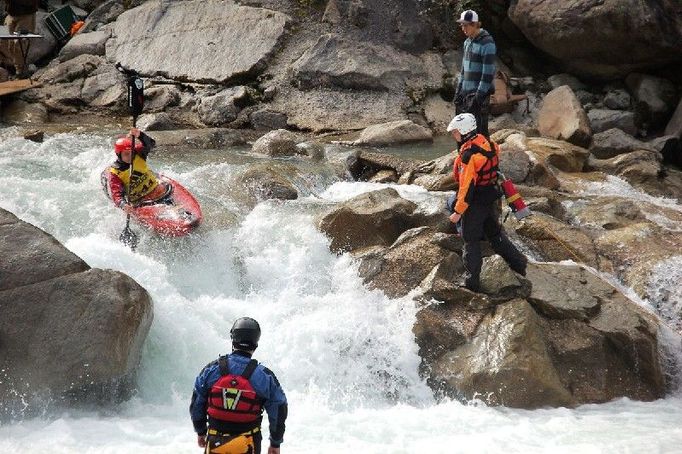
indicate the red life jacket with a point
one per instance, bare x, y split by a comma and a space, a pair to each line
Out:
487, 175
232, 398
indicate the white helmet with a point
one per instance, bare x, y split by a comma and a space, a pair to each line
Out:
464, 123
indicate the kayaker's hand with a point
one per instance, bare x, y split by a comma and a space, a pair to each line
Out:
455, 217
128, 208
201, 441
135, 132
272, 450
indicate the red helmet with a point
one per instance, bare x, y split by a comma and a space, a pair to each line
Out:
125, 144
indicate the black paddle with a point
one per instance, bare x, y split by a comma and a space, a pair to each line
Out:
135, 104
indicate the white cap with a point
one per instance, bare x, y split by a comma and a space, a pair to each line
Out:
468, 16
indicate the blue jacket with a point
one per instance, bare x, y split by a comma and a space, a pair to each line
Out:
264, 383
478, 66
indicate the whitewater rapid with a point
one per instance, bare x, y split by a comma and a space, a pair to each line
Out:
345, 355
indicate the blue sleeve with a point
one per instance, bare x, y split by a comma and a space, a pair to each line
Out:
199, 403
487, 70
275, 403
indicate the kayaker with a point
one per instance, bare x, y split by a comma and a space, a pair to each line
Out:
230, 394
477, 206
145, 187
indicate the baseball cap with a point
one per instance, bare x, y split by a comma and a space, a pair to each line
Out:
468, 16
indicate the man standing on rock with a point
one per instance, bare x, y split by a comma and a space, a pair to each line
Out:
21, 18
230, 395
478, 200
478, 71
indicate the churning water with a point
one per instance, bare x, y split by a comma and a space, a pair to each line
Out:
345, 355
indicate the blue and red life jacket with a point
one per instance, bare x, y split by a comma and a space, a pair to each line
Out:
232, 398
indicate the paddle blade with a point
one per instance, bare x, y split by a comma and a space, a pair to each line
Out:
129, 238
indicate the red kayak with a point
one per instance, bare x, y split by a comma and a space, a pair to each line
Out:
176, 214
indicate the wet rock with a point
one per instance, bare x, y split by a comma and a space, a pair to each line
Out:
562, 117
264, 182
376, 218
34, 136
31, 255
562, 292
556, 241
385, 176
77, 68
363, 165
22, 113
72, 336
520, 373
277, 143
500, 283
405, 264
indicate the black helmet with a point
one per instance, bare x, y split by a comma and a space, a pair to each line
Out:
245, 333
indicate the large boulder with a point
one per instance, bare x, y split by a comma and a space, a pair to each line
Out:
375, 218
85, 43
595, 38
603, 119
69, 335
505, 363
265, 181
562, 117
394, 132
613, 142
407, 262
200, 41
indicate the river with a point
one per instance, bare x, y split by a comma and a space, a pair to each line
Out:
344, 354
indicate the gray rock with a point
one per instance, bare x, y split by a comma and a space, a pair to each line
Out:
277, 143
337, 62
613, 142
655, 97
562, 117
159, 97
618, 99
564, 292
105, 89
76, 68
405, 264
558, 80
500, 282
519, 374
674, 127
267, 119
160, 121
598, 41
170, 45
264, 182
395, 132
31, 255
602, 119
223, 107
85, 43
376, 218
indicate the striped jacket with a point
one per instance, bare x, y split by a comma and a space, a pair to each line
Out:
478, 66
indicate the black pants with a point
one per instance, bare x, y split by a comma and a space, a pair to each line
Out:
479, 110
479, 222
